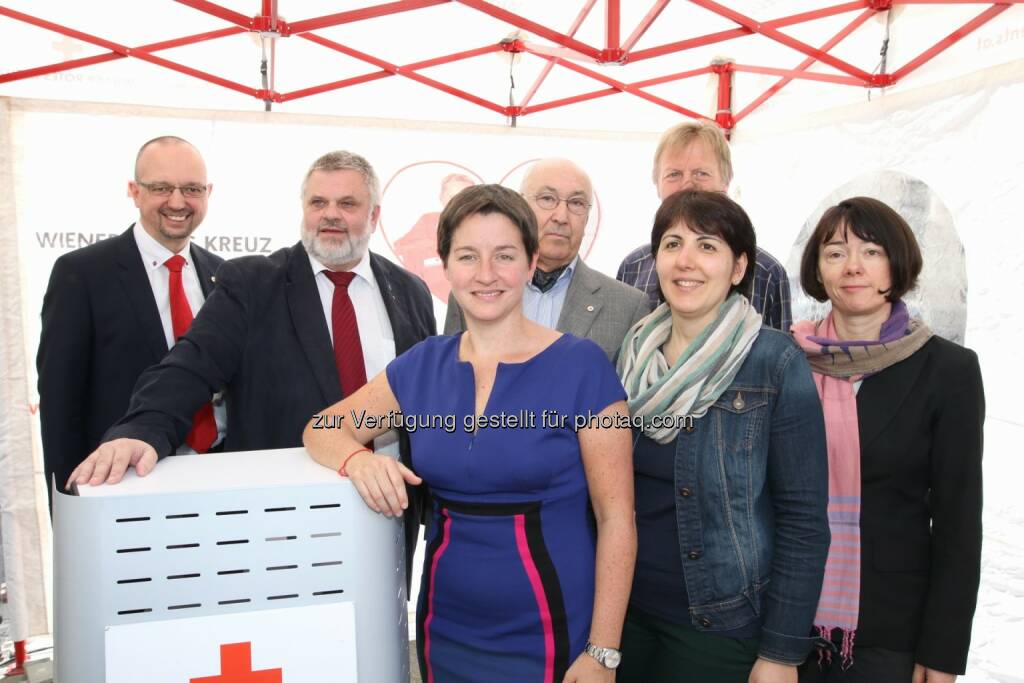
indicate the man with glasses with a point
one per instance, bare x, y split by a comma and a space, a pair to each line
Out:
283, 336
565, 293
114, 308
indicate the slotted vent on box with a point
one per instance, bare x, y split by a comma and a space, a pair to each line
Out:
190, 558
221, 535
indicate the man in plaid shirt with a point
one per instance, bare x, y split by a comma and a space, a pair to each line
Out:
695, 155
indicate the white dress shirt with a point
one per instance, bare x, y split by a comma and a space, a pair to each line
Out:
154, 255
375, 333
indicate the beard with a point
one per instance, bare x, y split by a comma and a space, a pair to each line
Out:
335, 253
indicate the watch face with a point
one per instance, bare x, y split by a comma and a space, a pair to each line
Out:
612, 658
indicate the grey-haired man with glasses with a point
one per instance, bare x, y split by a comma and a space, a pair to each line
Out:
113, 308
565, 293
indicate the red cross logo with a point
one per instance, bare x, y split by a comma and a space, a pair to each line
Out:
236, 667
67, 47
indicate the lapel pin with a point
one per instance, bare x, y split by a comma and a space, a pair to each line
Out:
213, 278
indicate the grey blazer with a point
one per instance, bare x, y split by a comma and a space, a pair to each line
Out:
596, 307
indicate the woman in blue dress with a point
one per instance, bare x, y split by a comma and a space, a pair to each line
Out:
521, 434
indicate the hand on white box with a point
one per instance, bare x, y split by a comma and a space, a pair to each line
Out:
108, 463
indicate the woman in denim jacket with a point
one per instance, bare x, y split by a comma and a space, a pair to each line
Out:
730, 466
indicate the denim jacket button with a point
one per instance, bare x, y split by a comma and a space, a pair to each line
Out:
685, 492
738, 402
705, 622
694, 555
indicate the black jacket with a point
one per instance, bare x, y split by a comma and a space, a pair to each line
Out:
262, 338
100, 329
920, 424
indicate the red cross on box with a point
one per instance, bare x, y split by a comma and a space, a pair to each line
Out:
236, 667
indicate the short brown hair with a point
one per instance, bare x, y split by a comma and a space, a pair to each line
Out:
684, 134
485, 200
872, 221
709, 213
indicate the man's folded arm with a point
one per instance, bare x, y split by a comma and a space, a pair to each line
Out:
201, 363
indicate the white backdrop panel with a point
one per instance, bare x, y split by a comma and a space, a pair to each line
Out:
960, 141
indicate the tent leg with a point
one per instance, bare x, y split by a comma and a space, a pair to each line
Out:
723, 113
20, 657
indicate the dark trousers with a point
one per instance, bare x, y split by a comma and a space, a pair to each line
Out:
658, 651
870, 665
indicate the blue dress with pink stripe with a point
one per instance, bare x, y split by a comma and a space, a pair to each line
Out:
508, 579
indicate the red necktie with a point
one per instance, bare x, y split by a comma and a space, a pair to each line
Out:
204, 426
348, 350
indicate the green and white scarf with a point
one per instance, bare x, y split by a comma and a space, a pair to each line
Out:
702, 373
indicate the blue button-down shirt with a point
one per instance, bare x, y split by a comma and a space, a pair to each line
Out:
544, 308
770, 295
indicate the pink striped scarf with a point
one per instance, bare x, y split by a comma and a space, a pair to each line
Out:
839, 604
836, 366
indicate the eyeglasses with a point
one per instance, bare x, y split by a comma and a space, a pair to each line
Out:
550, 202
166, 189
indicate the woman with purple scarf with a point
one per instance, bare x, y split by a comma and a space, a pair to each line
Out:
903, 419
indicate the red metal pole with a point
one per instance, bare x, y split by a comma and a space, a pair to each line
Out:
419, 78
533, 27
544, 106
658, 80
645, 23
20, 657
801, 74
111, 56
624, 87
549, 65
614, 91
954, 37
64, 30
556, 52
220, 12
360, 14
806, 64
782, 38
720, 36
954, 2
128, 52
377, 75
723, 115
196, 73
268, 18
612, 23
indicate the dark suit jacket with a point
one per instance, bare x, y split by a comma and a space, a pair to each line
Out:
262, 338
100, 329
920, 424
596, 307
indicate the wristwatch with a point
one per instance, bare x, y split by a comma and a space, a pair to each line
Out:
608, 657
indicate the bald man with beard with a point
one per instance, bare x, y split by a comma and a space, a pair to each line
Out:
565, 293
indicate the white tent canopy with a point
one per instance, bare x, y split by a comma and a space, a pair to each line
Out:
940, 140
607, 47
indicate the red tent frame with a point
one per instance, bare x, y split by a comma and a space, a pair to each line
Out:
563, 50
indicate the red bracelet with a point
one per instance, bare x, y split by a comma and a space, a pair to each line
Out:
341, 470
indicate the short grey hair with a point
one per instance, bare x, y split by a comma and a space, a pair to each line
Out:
342, 160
